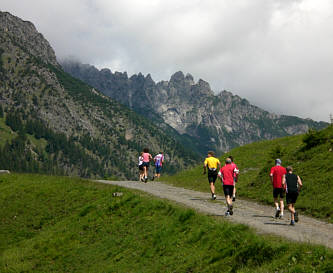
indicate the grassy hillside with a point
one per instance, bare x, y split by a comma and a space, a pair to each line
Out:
59, 224
311, 156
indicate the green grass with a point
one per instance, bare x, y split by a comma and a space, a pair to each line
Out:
61, 224
314, 165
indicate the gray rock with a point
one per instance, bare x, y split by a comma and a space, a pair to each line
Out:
218, 122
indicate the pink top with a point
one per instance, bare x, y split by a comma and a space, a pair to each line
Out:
146, 157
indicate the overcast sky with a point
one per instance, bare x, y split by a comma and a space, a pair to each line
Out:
275, 53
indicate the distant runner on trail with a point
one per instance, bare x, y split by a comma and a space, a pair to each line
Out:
141, 170
227, 175
293, 184
235, 177
212, 163
276, 175
158, 159
146, 159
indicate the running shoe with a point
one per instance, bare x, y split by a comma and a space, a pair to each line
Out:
146, 179
233, 199
277, 213
213, 196
292, 223
227, 213
153, 178
230, 210
296, 216
281, 216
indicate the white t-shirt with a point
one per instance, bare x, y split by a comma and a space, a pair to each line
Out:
158, 160
140, 160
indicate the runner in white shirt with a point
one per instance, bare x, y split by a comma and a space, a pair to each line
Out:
141, 170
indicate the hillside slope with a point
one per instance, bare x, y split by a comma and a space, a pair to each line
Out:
218, 122
79, 226
311, 155
86, 133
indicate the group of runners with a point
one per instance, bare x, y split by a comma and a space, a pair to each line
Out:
228, 174
144, 161
283, 180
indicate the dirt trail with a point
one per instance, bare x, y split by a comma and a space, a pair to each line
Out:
250, 213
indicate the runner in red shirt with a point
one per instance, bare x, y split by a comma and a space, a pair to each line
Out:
235, 177
227, 174
276, 175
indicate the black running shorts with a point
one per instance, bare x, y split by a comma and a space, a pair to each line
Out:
145, 164
291, 197
212, 176
228, 190
278, 192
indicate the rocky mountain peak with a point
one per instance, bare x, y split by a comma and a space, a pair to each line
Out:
211, 121
189, 79
177, 77
106, 71
27, 35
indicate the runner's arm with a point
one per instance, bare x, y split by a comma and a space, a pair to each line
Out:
236, 171
204, 169
219, 175
300, 184
284, 186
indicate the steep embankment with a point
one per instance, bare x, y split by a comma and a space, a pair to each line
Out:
311, 155
58, 224
83, 132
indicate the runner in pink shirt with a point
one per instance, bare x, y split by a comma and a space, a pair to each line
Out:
146, 159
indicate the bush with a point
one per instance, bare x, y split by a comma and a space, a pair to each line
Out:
313, 138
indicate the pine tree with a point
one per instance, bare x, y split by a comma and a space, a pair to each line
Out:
1, 112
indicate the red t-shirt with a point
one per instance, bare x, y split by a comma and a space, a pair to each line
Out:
227, 173
277, 172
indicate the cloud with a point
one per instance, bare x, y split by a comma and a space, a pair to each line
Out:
275, 53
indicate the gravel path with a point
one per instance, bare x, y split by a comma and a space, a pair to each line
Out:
258, 216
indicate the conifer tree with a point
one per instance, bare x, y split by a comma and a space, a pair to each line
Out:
1, 112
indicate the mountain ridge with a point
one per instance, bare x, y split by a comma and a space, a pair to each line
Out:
214, 121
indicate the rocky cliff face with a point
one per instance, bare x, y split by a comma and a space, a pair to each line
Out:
25, 34
212, 121
34, 88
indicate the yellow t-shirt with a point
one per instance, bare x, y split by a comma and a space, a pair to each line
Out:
211, 162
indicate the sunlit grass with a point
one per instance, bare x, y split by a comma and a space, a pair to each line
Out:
60, 224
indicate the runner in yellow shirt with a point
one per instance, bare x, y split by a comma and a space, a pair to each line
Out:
213, 164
